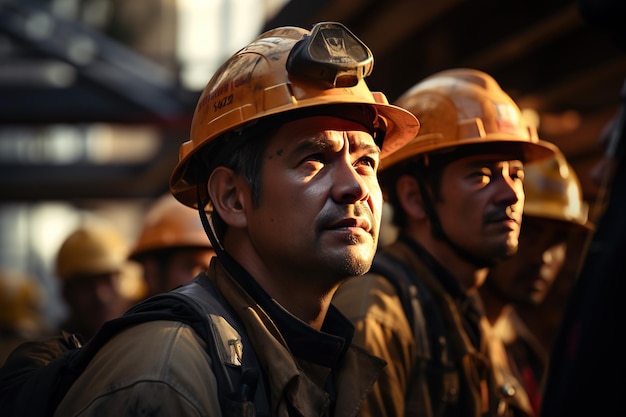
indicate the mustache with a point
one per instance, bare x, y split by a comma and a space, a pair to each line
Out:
353, 215
499, 214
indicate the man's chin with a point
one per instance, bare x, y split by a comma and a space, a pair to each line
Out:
359, 264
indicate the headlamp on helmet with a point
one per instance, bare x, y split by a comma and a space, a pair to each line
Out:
331, 54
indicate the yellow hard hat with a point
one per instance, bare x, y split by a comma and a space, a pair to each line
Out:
284, 70
462, 107
21, 299
553, 191
170, 224
91, 249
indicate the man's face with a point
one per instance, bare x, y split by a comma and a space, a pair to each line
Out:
166, 271
320, 202
480, 208
94, 299
529, 275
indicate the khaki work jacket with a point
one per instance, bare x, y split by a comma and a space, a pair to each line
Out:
404, 390
163, 368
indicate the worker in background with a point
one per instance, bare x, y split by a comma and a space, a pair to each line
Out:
457, 196
91, 265
172, 246
555, 218
21, 309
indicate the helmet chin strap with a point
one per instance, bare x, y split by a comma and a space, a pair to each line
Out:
438, 232
237, 271
207, 224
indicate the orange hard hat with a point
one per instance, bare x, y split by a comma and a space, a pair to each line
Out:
284, 70
170, 224
463, 107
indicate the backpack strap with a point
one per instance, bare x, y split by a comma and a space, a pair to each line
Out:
402, 279
431, 338
241, 386
51, 367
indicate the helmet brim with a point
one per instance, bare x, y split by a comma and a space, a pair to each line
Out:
518, 148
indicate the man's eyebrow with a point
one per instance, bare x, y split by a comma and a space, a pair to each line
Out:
490, 162
318, 142
370, 147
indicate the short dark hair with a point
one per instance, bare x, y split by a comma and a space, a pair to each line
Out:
240, 151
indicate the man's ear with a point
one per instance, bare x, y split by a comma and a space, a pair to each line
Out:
410, 196
227, 191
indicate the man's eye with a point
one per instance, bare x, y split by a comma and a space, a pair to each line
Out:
316, 157
482, 177
367, 161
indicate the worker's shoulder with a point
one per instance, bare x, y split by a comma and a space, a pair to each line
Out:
153, 349
161, 357
371, 296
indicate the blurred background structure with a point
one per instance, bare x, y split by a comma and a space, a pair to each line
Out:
97, 95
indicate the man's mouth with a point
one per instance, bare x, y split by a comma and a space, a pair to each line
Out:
352, 222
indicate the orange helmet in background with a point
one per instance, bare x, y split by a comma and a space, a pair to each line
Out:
464, 107
281, 71
169, 224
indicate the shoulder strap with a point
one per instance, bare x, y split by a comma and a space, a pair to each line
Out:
241, 386
57, 370
403, 279
431, 337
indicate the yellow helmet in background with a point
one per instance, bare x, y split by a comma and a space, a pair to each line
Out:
170, 224
21, 301
553, 191
465, 107
281, 71
91, 249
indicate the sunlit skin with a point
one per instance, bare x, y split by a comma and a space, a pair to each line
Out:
480, 209
528, 276
318, 219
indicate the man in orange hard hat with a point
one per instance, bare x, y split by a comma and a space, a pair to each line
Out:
285, 146
555, 218
172, 246
457, 195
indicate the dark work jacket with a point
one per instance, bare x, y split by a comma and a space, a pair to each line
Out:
404, 390
163, 368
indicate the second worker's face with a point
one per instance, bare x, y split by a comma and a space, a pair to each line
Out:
480, 209
320, 202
